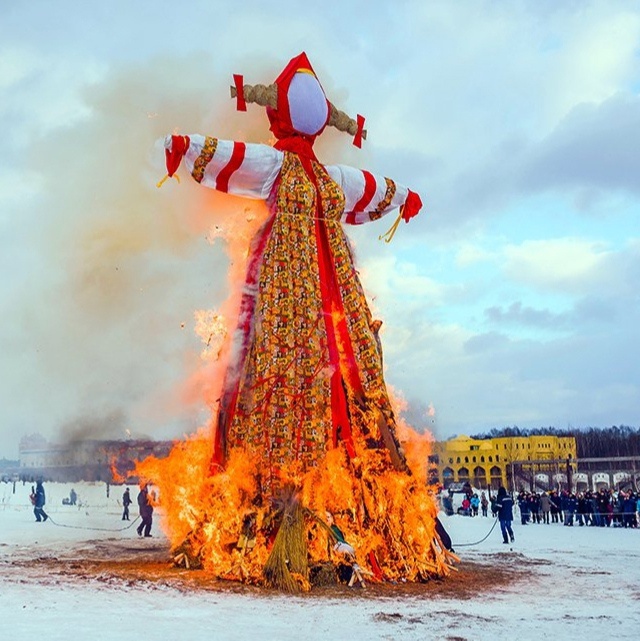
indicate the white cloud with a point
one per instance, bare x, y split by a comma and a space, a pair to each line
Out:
389, 278
469, 255
41, 94
15, 64
596, 147
577, 267
562, 264
17, 188
596, 57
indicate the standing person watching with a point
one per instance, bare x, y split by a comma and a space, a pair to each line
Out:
504, 503
484, 503
146, 511
39, 502
126, 502
545, 507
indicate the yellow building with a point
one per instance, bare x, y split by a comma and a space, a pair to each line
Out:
488, 463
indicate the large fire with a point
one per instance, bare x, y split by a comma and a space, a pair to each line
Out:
222, 523
230, 523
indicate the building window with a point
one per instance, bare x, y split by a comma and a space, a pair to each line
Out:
482, 459
451, 460
447, 476
497, 459
458, 459
474, 459
466, 459
491, 459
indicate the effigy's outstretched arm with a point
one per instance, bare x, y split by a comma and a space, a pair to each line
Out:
239, 168
370, 197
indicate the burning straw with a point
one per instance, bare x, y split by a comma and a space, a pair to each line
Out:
228, 525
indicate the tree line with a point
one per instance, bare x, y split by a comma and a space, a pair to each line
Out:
591, 442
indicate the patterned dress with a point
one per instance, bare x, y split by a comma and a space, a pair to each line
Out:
306, 371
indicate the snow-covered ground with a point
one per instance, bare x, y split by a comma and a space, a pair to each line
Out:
556, 582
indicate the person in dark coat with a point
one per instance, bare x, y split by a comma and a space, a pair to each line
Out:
523, 504
126, 502
504, 503
444, 535
39, 502
602, 501
555, 506
568, 504
581, 509
146, 511
629, 510
593, 509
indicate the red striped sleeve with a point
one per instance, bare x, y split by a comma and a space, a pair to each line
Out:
369, 191
237, 156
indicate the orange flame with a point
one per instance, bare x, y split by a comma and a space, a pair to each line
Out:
116, 476
381, 511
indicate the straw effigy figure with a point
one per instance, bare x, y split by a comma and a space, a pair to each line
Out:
304, 395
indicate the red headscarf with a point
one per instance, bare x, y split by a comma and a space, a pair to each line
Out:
303, 109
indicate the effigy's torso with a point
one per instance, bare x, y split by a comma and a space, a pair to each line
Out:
284, 404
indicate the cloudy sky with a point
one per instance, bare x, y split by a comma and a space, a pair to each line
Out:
511, 300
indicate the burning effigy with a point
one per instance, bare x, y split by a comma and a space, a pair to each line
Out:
307, 474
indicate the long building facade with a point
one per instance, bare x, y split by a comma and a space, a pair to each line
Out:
490, 463
112, 461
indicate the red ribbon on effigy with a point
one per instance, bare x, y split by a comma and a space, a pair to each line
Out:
357, 139
238, 81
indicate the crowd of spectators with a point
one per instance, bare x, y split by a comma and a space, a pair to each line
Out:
604, 508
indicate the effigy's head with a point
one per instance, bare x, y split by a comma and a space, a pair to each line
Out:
297, 106
302, 106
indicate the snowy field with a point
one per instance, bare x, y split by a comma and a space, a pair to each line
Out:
61, 580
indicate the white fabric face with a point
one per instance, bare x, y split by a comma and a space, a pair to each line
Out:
308, 105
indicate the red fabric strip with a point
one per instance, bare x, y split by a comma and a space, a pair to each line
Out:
339, 415
237, 156
375, 566
357, 139
369, 191
238, 80
301, 145
349, 366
